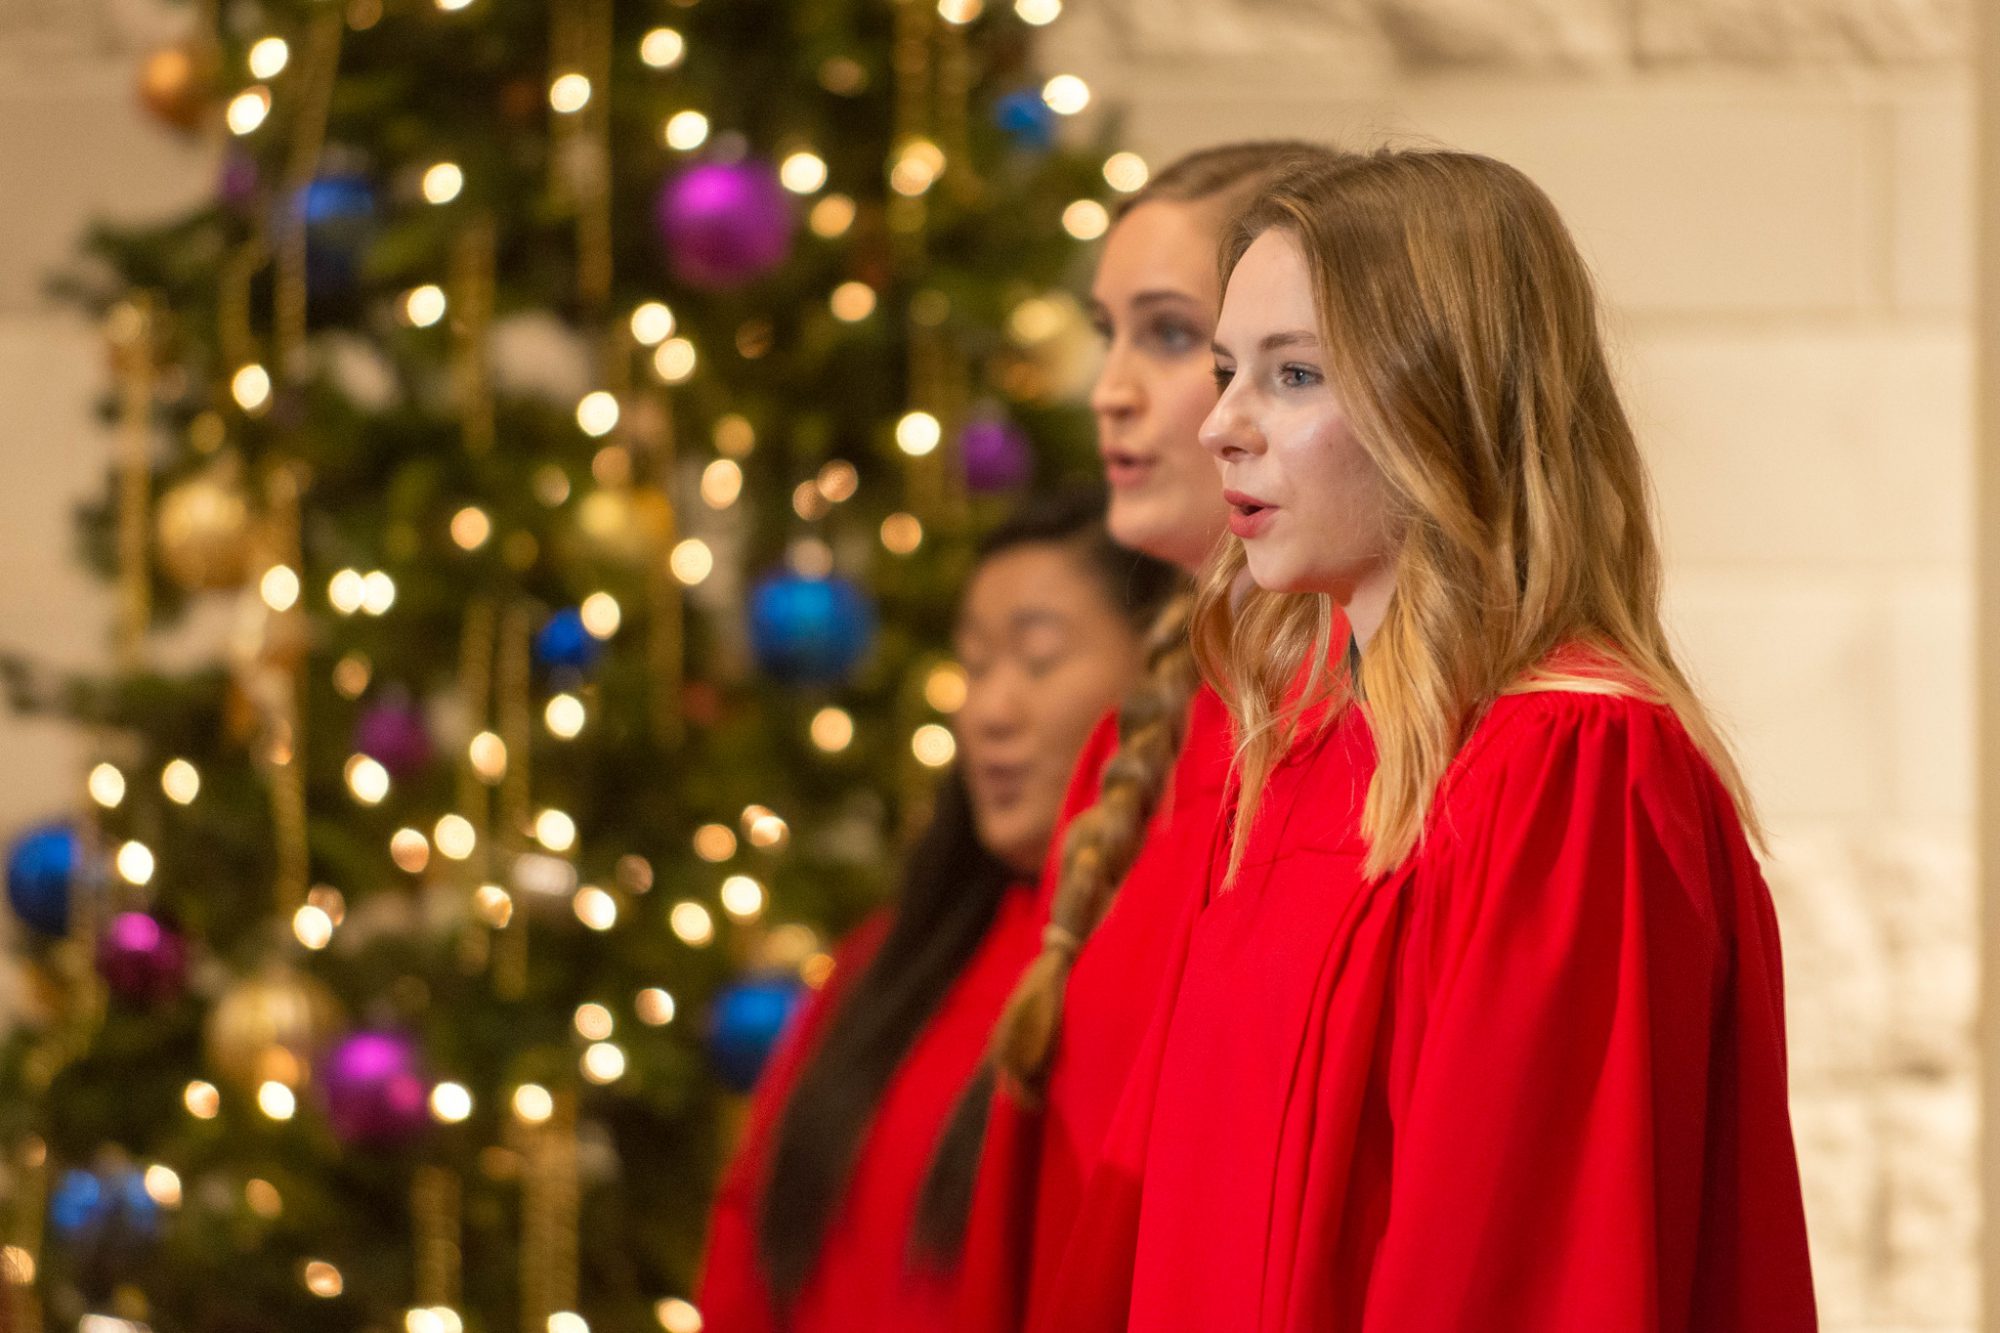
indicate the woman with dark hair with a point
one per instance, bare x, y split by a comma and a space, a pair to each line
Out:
811, 1230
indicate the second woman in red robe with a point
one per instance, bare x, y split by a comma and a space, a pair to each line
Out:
1482, 1026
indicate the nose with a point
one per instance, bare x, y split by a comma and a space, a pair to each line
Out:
1227, 431
1117, 392
995, 707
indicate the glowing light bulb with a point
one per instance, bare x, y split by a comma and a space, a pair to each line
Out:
247, 110
685, 131
601, 615
367, 780
471, 528
1066, 94
451, 1103
662, 48
1126, 172
312, 926
564, 716
852, 302
268, 57
933, 745
918, 433
691, 561
279, 587
652, 323
832, 729
424, 306
675, 361
443, 181
802, 172
250, 386
277, 1101
135, 863
597, 414
107, 786
654, 1006
691, 922
1086, 220
570, 93
533, 1103
902, 534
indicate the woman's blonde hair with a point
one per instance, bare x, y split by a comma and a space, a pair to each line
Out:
1460, 331
1103, 841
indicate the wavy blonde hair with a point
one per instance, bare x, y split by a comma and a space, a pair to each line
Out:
1460, 329
1103, 841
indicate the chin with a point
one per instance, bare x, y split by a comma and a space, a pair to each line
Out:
1273, 573
1136, 525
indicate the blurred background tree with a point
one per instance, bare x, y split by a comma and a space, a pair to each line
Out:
586, 409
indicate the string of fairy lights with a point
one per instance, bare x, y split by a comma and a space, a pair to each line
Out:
543, 868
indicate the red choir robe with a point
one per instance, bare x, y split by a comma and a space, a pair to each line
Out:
1533, 1081
863, 1282
1035, 1161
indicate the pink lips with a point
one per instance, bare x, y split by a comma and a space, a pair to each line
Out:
1123, 470
1248, 516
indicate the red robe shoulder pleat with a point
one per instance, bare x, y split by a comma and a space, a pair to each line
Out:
1533, 1080
1035, 1163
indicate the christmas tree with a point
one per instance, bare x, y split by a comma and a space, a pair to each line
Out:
585, 410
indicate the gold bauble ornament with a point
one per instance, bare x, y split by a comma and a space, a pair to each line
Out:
625, 523
203, 529
176, 83
269, 1027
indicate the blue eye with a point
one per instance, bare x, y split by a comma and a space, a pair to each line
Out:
1298, 377
1175, 338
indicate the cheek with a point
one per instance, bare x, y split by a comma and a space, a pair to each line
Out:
1187, 397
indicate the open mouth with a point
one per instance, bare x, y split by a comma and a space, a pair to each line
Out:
1125, 469
1248, 515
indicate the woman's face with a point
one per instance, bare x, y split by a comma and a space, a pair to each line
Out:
1045, 654
1311, 507
1154, 303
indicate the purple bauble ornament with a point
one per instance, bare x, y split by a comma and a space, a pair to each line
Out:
724, 223
236, 184
996, 455
392, 732
375, 1089
143, 961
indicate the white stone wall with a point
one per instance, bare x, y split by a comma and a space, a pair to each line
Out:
1776, 195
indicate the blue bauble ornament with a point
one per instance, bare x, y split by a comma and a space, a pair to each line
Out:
1026, 118
89, 1206
42, 873
339, 210
745, 1023
563, 642
809, 631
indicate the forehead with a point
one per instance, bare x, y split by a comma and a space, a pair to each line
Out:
1164, 245
1270, 291
1026, 580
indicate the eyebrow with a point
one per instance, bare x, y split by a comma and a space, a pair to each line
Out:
1273, 342
1153, 296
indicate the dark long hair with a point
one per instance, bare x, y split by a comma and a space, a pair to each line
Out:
952, 886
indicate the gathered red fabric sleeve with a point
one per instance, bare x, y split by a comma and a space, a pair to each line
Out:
1036, 1161
1532, 1080
732, 1295
1592, 1130
864, 1279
